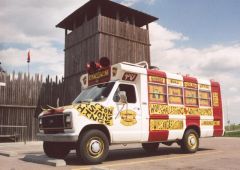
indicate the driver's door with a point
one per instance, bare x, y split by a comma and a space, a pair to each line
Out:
127, 116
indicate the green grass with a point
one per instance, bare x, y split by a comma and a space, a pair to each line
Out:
232, 134
232, 127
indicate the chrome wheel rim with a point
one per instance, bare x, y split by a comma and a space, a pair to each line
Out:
95, 147
192, 141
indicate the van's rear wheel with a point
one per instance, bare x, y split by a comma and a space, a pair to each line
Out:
55, 149
150, 147
93, 147
190, 141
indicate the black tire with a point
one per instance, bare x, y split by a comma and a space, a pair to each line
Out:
87, 142
150, 147
190, 141
55, 149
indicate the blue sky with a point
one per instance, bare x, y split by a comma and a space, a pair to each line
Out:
196, 37
205, 21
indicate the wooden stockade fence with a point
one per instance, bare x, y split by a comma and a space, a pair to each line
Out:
21, 101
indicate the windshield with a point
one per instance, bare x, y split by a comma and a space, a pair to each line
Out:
95, 93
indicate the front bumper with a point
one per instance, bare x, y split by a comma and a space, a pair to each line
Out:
61, 137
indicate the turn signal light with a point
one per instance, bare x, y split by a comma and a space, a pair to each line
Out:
105, 62
93, 66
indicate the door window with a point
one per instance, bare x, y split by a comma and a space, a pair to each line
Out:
130, 93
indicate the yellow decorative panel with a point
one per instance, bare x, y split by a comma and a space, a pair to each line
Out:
190, 85
159, 124
191, 101
205, 102
175, 82
175, 100
157, 79
190, 93
210, 123
199, 111
204, 86
175, 91
215, 99
157, 98
165, 109
96, 112
159, 109
159, 89
204, 95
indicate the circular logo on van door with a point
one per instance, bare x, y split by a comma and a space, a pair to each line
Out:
128, 117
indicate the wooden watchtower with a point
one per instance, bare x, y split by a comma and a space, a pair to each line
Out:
103, 28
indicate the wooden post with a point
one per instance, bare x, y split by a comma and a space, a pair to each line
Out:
133, 20
117, 22
85, 17
66, 32
74, 25
147, 27
99, 10
148, 41
99, 13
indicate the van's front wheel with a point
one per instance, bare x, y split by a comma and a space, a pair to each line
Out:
93, 147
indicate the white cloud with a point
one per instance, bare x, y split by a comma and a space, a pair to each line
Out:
162, 38
33, 22
46, 60
219, 62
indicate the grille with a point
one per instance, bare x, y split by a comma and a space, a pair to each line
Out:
53, 122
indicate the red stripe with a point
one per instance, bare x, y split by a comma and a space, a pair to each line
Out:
160, 135
193, 120
217, 111
190, 79
156, 73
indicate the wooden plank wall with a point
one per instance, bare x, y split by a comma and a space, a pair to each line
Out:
72, 88
81, 46
121, 41
21, 100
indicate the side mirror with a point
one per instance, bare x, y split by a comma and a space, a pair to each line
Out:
123, 97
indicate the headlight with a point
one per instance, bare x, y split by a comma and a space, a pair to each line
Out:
40, 123
68, 120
